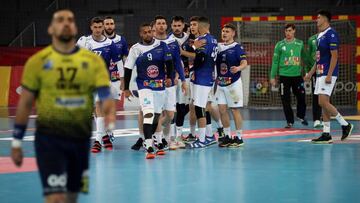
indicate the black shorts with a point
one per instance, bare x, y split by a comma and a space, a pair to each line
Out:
63, 164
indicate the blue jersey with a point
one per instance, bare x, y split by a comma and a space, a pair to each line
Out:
175, 53
229, 55
121, 45
184, 42
149, 61
327, 41
205, 74
105, 48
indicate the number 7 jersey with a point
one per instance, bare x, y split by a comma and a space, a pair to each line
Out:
64, 85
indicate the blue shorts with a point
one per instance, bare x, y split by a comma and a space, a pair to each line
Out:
63, 164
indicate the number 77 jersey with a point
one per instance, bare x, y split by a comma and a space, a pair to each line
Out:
205, 74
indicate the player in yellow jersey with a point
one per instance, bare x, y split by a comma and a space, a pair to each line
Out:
62, 78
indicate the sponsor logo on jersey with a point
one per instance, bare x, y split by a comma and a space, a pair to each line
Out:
223, 68
152, 71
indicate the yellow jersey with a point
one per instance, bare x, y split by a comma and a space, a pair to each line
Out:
64, 85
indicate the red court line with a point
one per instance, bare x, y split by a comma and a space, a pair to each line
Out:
7, 166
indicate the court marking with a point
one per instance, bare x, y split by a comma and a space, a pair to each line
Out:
7, 166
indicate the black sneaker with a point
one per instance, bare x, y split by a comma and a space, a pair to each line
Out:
236, 142
161, 149
303, 121
347, 129
221, 133
288, 125
325, 138
138, 144
165, 144
190, 138
226, 141
150, 153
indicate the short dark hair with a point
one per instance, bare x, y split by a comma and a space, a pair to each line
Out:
203, 19
325, 13
186, 27
109, 17
159, 17
177, 18
287, 25
96, 20
144, 25
194, 18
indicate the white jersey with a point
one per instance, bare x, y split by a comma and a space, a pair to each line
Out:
182, 40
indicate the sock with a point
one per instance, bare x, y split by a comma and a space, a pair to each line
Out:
239, 133
202, 134
158, 136
219, 123
341, 120
208, 131
326, 128
192, 130
172, 130
100, 128
227, 132
141, 135
179, 131
148, 143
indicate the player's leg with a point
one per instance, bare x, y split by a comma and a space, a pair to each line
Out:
100, 127
286, 100
160, 118
298, 89
215, 115
200, 101
192, 117
71, 197
316, 109
139, 143
238, 120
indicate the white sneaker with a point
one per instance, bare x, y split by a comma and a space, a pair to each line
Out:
318, 124
177, 144
173, 145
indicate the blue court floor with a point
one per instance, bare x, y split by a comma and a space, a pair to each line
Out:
274, 166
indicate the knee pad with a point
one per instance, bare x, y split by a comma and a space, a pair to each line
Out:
208, 118
199, 112
148, 116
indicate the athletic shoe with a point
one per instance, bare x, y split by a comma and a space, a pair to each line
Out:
303, 121
318, 124
211, 140
96, 148
289, 125
226, 141
347, 129
165, 144
221, 132
107, 142
111, 135
177, 144
150, 153
160, 150
138, 144
325, 138
236, 142
198, 144
189, 138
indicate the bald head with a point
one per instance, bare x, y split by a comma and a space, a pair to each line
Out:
63, 26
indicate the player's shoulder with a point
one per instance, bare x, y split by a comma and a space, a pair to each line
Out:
89, 55
41, 55
118, 39
299, 41
83, 38
280, 43
332, 33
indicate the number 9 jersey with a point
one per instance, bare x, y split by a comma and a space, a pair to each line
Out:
64, 85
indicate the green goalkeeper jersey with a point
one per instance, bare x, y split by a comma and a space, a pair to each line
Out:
311, 52
287, 58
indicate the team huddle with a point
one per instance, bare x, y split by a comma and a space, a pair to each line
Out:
180, 73
176, 73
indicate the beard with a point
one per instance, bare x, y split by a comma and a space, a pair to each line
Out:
66, 38
110, 32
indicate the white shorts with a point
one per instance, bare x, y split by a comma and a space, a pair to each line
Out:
211, 95
323, 88
170, 99
114, 89
151, 100
200, 95
181, 98
231, 95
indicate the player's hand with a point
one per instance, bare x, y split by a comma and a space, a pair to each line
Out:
199, 43
234, 69
17, 156
328, 79
273, 82
127, 93
307, 77
168, 82
184, 87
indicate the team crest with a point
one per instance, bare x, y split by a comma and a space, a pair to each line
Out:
48, 65
152, 71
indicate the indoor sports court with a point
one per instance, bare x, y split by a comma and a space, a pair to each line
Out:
130, 101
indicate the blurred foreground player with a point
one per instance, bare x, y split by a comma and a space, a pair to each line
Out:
62, 79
